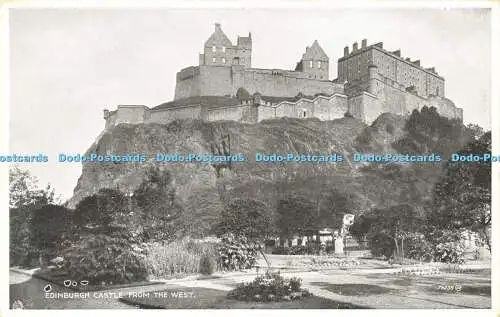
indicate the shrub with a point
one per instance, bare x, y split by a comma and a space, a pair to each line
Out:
449, 252
270, 287
419, 248
448, 246
102, 259
236, 253
381, 245
207, 265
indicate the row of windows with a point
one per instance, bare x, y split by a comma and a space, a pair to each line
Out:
214, 60
214, 48
311, 64
236, 60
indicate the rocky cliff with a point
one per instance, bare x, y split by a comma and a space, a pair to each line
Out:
201, 188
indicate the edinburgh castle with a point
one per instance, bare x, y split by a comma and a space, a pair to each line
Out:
224, 86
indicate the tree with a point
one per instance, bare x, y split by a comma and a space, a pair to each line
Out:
246, 217
108, 212
429, 132
475, 130
24, 190
25, 196
242, 93
158, 207
335, 205
462, 198
48, 227
396, 223
296, 214
246, 220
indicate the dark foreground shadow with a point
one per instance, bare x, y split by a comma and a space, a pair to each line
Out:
204, 298
353, 289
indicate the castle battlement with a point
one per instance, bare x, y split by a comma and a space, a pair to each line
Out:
370, 81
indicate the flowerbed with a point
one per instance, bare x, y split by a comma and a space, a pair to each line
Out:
332, 262
271, 287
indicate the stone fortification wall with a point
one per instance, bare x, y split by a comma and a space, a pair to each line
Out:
225, 81
365, 106
243, 113
321, 107
167, 115
394, 98
126, 114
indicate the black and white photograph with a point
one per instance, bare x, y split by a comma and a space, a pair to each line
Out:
249, 157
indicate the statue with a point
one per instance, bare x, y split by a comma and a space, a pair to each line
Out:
346, 224
339, 242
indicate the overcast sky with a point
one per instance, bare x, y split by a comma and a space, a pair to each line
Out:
67, 65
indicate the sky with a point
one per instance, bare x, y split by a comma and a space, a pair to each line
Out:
67, 65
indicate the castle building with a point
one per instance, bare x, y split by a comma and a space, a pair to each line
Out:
224, 86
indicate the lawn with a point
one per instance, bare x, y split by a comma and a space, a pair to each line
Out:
204, 298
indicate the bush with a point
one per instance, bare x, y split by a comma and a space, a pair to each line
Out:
178, 258
270, 287
381, 245
236, 253
449, 252
448, 246
207, 265
104, 260
418, 248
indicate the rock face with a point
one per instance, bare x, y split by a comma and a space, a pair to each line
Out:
192, 136
202, 189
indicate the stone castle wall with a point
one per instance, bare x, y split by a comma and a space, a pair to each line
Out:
323, 108
225, 81
365, 107
371, 81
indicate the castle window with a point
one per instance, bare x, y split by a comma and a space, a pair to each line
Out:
223, 48
223, 60
213, 60
319, 64
304, 114
310, 64
214, 48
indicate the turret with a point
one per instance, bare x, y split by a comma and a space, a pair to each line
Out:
373, 75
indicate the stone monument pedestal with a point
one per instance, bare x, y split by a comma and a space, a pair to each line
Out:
339, 245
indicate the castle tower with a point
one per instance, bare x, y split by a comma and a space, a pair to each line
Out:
220, 51
314, 62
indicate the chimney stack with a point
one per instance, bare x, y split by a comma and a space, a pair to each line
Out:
355, 47
363, 43
346, 51
217, 26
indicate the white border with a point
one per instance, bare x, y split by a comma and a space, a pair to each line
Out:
495, 171
294, 4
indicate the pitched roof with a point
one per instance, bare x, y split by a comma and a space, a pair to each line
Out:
218, 37
315, 52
